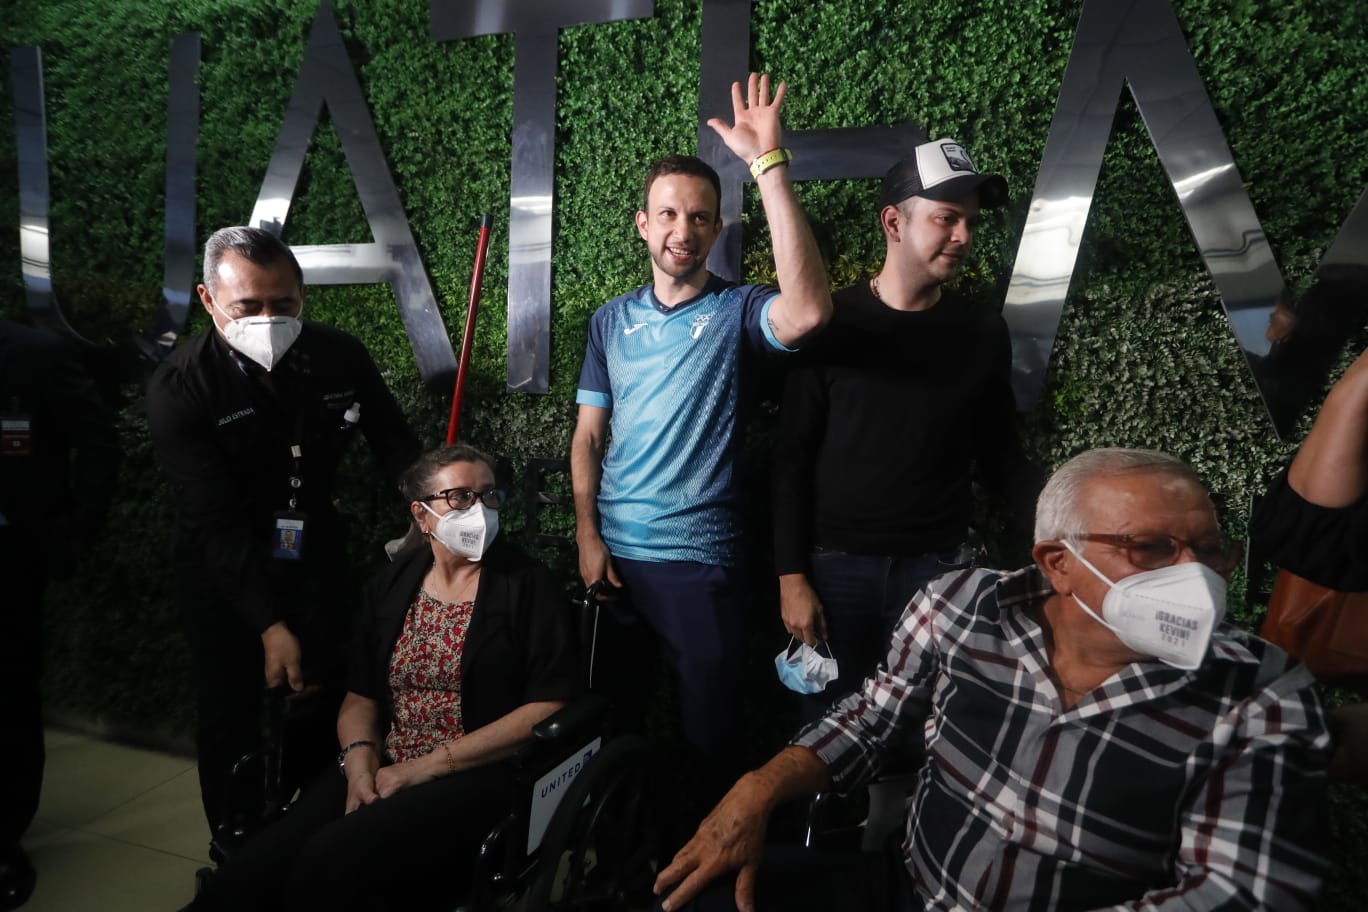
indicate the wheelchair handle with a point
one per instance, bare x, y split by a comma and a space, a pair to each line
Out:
593, 605
601, 587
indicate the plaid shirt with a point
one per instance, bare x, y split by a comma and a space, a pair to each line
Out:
1162, 789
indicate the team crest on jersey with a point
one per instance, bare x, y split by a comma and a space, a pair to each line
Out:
700, 322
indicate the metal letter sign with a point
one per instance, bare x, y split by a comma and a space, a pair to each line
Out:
1118, 42
34, 202
326, 77
30, 129
1137, 42
817, 154
182, 132
536, 25
1351, 244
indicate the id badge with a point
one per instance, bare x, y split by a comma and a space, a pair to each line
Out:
16, 435
287, 540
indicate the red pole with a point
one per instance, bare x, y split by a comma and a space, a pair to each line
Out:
468, 339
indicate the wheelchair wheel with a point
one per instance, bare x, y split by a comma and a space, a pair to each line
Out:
608, 838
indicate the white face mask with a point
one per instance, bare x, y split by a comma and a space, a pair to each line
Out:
467, 532
1167, 613
805, 670
263, 339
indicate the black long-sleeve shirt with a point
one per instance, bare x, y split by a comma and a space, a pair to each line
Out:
884, 420
59, 450
223, 429
1326, 545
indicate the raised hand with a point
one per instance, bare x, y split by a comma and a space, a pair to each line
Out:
755, 127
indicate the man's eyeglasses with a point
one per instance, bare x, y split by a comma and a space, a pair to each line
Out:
464, 498
1151, 551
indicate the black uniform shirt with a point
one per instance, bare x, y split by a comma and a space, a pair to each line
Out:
223, 429
59, 450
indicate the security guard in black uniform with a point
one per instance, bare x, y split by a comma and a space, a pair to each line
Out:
59, 455
250, 420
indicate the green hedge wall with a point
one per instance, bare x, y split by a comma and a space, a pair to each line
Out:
1145, 356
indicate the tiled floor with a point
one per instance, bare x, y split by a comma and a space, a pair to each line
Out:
118, 829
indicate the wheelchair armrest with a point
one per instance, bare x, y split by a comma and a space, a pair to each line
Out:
836, 819
582, 715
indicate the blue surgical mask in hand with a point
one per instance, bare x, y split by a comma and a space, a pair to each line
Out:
805, 670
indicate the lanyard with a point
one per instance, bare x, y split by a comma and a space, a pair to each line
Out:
296, 475
297, 456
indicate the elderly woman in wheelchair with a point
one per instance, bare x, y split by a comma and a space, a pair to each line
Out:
463, 645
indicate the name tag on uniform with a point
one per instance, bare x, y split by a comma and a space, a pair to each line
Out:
287, 540
16, 436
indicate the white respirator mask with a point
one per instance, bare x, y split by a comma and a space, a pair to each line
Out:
1169, 613
467, 532
264, 340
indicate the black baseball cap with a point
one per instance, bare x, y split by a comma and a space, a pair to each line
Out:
941, 170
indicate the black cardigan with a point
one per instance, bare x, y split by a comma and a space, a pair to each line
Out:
520, 646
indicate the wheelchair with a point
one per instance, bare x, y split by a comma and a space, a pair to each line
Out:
257, 787
596, 819
600, 816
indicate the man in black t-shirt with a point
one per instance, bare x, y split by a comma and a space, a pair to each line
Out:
885, 419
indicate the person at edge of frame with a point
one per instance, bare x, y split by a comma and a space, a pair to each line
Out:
59, 460
1095, 735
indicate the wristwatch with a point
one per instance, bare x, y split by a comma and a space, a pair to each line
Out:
342, 754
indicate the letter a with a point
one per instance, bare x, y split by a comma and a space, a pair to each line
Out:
326, 77
1138, 42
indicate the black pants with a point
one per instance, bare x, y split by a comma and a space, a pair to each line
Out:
415, 849
23, 579
228, 671
795, 879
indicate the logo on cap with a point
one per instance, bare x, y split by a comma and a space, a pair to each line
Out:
957, 158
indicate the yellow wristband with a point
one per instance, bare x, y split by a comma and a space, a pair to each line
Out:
771, 159
451, 761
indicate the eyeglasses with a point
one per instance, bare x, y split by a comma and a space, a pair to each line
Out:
1151, 551
464, 498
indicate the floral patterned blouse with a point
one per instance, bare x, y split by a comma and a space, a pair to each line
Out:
425, 677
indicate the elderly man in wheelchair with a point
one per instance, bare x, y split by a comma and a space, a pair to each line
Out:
1095, 735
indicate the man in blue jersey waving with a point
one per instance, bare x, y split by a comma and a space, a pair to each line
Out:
656, 511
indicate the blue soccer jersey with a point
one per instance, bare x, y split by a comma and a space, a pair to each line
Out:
672, 380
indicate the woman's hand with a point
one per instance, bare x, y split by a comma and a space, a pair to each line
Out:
360, 765
391, 779
360, 790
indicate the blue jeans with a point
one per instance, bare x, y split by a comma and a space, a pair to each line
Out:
862, 598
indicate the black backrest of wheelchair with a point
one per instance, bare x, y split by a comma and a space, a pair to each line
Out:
538, 495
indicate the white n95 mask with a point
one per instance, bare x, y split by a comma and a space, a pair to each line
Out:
467, 532
805, 670
264, 340
1168, 613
